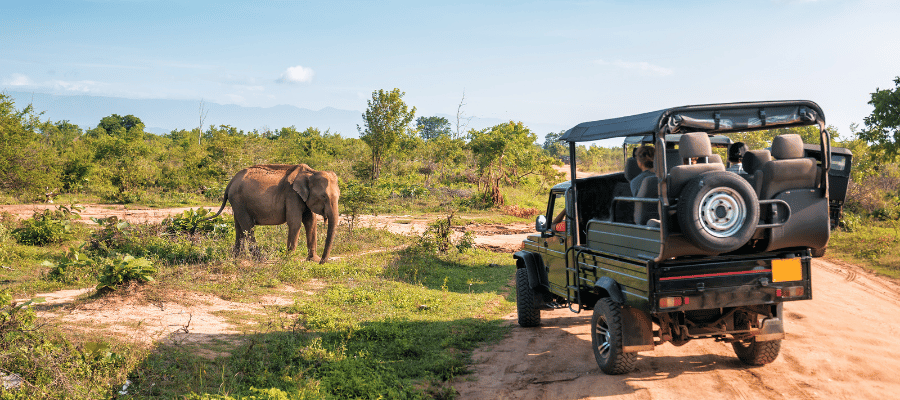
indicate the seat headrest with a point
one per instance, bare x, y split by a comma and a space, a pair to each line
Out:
631, 168
753, 159
694, 145
788, 146
715, 158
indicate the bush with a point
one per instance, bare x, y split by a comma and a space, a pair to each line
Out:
48, 226
357, 199
478, 201
112, 235
195, 221
438, 236
76, 267
119, 271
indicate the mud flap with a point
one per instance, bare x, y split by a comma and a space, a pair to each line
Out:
771, 329
637, 330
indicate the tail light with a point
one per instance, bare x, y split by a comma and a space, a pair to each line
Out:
669, 302
790, 291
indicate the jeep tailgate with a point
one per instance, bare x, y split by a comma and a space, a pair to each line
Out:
731, 282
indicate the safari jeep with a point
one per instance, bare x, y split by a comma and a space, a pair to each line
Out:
698, 251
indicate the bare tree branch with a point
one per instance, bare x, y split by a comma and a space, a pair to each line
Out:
202, 118
462, 121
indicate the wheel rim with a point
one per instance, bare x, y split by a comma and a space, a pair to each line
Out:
602, 336
722, 212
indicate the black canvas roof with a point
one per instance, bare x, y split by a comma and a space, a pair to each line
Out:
718, 118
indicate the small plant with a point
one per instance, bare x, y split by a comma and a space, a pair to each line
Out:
195, 221
439, 236
119, 271
15, 317
73, 269
113, 234
48, 226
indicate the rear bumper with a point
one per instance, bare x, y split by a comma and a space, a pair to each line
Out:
745, 295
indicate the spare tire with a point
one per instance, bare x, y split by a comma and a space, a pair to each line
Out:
718, 211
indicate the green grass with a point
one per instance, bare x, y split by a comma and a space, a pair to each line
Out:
869, 243
384, 318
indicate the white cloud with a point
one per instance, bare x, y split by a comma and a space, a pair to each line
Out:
18, 80
298, 74
641, 66
76, 86
72, 86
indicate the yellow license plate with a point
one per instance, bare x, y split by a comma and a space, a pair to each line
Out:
787, 270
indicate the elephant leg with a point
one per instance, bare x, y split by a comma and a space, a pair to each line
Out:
309, 223
293, 234
251, 245
243, 232
239, 234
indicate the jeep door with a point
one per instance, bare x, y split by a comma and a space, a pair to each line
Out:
555, 242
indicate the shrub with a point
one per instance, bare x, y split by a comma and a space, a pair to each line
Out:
76, 267
439, 236
113, 234
195, 221
478, 201
48, 226
119, 271
357, 199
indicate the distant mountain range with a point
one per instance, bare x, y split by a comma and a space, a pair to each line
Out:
161, 116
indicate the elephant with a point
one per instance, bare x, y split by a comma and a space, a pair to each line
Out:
273, 194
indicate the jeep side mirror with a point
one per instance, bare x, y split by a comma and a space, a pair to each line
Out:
540, 224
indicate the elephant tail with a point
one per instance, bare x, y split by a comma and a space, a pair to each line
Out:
222, 207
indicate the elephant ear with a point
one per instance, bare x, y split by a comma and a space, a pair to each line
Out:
301, 184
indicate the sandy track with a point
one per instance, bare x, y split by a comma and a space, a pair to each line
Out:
129, 213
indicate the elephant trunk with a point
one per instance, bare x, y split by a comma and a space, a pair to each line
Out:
329, 238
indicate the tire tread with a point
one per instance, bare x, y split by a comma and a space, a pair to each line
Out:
757, 353
622, 362
529, 315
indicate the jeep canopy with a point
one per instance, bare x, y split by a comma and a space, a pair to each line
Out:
711, 118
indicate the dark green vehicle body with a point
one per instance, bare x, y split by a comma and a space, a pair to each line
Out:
636, 275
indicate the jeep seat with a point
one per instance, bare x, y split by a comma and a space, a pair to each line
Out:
752, 163
631, 168
789, 169
691, 145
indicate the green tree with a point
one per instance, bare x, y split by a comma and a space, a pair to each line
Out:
386, 120
123, 155
553, 146
444, 152
507, 152
433, 127
29, 164
883, 125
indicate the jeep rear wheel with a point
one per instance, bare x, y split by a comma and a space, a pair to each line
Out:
751, 352
606, 338
718, 211
529, 314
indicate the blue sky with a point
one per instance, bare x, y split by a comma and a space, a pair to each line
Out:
536, 61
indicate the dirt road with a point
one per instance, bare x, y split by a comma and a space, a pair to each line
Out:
843, 344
